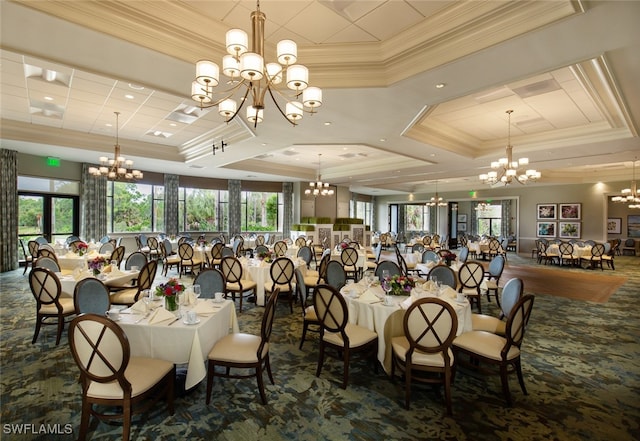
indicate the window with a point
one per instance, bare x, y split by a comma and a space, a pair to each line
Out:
47, 207
202, 209
489, 221
416, 218
130, 207
261, 211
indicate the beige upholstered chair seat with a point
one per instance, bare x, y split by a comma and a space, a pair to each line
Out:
283, 287
482, 322
311, 274
310, 314
173, 259
312, 280
125, 296
143, 374
489, 284
238, 348
401, 346
247, 285
358, 336
66, 303
485, 344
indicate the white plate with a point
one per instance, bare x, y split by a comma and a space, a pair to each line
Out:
191, 323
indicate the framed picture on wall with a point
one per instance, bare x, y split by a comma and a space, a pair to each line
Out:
614, 225
569, 230
462, 218
633, 225
546, 211
569, 211
462, 226
546, 229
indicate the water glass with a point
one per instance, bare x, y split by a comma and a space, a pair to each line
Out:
197, 290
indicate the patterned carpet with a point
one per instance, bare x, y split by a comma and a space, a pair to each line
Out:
581, 363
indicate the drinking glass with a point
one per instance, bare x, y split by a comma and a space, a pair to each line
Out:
146, 297
197, 290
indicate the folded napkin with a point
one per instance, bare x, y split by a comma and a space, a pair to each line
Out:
450, 293
206, 308
353, 289
407, 302
369, 297
190, 298
161, 315
429, 286
140, 306
79, 274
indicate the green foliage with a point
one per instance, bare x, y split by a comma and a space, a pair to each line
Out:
315, 220
303, 227
349, 221
131, 208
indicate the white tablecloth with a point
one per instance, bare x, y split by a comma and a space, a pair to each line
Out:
386, 321
71, 261
259, 272
180, 343
122, 278
584, 251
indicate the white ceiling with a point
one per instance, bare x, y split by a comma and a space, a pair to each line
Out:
569, 71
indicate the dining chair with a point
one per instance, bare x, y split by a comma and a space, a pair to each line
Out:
373, 260
259, 240
387, 265
235, 284
338, 337
216, 255
511, 294
46, 289
91, 296
424, 352
28, 258
129, 296
470, 275
305, 253
336, 275
309, 317
106, 248
238, 246
187, 259
46, 252
430, 256
349, 259
301, 241
41, 240
136, 258
168, 260
32, 247
227, 252
47, 262
444, 274
281, 275
154, 248
111, 377
261, 249
463, 254
211, 281
244, 351
629, 246
492, 277
280, 248
482, 347
565, 251
74, 244
118, 255
595, 258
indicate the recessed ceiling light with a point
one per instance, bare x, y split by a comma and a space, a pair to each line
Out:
108, 124
136, 87
129, 97
327, 123
173, 124
383, 139
264, 144
48, 98
433, 155
440, 85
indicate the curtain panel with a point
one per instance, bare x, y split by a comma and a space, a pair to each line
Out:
287, 208
235, 207
93, 203
171, 194
9, 210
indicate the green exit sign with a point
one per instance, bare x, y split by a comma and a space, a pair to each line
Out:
53, 162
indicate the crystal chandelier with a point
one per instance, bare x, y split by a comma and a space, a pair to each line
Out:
319, 187
506, 170
248, 74
436, 201
482, 206
630, 195
117, 167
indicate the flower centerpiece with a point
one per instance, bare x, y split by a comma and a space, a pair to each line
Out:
97, 264
170, 292
266, 256
448, 257
82, 248
398, 285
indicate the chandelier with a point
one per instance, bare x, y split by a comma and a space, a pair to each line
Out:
436, 201
483, 206
319, 187
248, 74
630, 195
117, 167
506, 170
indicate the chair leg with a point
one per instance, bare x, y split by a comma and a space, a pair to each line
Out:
504, 378
210, 370
407, 388
447, 391
37, 331
520, 377
320, 358
126, 420
268, 366
345, 369
305, 325
60, 329
263, 397
84, 419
